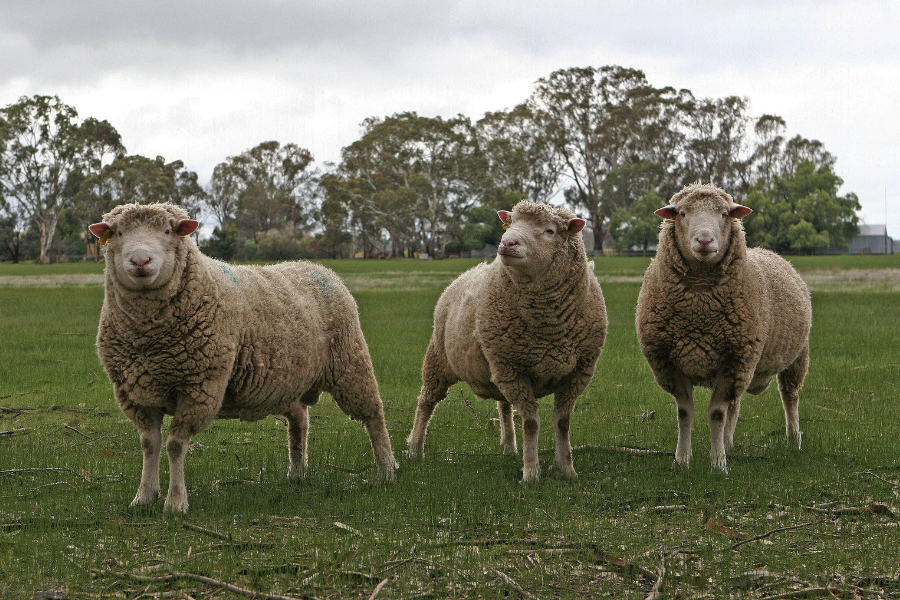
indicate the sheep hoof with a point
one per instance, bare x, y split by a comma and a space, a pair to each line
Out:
531, 475
145, 498
176, 504
510, 450
720, 465
296, 473
388, 473
795, 439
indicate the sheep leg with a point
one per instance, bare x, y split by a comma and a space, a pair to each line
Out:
507, 430
298, 431
356, 393
564, 404
789, 383
684, 399
148, 422
435, 383
195, 410
531, 423
731, 419
724, 397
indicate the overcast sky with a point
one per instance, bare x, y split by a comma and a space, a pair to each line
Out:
201, 80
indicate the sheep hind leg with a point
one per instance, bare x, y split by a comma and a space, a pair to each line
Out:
436, 381
359, 399
507, 429
731, 419
789, 383
148, 422
298, 433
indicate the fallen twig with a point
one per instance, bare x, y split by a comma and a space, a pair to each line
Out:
172, 577
214, 534
807, 593
881, 478
660, 578
512, 583
14, 431
626, 449
773, 531
378, 588
79, 433
876, 508
38, 469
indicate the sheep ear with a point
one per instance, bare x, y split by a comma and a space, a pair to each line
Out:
666, 212
576, 225
98, 229
738, 211
505, 216
186, 227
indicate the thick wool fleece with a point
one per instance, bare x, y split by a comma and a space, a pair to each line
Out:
221, 341
730, 326
516, 338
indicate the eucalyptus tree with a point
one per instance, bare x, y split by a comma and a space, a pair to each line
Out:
716, 149
603, 119
46, 155
268, 186
414, 177
519, 154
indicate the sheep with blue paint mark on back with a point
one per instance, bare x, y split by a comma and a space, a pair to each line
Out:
531, 323
184, 335
713, 313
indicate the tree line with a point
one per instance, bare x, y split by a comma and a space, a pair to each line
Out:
603, 140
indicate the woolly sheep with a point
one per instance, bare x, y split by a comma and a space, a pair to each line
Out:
528, 324
713, 313
184, 335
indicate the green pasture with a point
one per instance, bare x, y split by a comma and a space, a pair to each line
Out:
820, 522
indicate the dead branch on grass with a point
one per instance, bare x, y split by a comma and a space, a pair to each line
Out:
79, 432
15, 431
512, 583
774, 531
626, 449
173, 577
378, 589
876, 508
887, 481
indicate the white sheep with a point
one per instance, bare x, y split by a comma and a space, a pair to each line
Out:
713, 313
529, 324
184, 335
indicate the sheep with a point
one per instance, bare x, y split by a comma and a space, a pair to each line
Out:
184, 335
713, 313
530, 323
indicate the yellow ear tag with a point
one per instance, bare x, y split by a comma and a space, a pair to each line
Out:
505, 225
105, 237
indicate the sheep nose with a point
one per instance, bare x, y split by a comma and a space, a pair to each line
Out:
140, 261
703, 241
508, 243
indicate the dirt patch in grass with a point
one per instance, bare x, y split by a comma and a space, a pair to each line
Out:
52, 281
853, 279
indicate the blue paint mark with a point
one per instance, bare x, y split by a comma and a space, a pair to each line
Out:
228, 272
323, 280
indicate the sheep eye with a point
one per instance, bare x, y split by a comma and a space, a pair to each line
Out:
167, 232
681, 213
550, 231
120, 234
724, 214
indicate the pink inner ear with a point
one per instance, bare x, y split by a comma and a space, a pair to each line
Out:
666, 212
98, 229
576, 225
187, 227
740, 211
504, 216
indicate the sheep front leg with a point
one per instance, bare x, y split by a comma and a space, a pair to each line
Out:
564, 404
507, 430
518, 391
148, 422
196, 409
683, 392
724, 398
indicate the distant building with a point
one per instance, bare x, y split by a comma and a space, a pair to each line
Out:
872, 239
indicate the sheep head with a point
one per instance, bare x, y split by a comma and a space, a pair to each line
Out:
141, 242
703, 218
536, 236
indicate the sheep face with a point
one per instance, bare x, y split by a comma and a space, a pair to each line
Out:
703, 218
534, 236
141, 251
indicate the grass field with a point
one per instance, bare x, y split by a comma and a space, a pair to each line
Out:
820, 522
